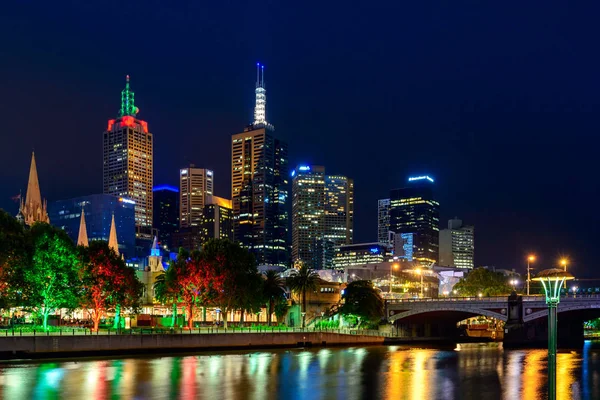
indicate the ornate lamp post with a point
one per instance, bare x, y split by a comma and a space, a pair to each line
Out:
552, 281
530, 259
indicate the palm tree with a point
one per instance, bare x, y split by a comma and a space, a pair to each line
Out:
166, 290
272, 290
302, 280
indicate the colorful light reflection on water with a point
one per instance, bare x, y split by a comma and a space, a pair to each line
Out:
394, 372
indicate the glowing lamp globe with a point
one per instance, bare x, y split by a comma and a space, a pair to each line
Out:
553, 279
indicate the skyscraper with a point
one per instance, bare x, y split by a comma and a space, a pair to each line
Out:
166, 212
33, 209
194, 185
128, 162
322, 215
217, 218
414, 210
259, 179
383, 221
457, 245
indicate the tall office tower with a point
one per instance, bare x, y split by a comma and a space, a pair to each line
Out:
308, 200
414, 210
127, 162
217, 218
383, 221
259, 180
322, 215
457, 245
194, 185
33, 209
166, 212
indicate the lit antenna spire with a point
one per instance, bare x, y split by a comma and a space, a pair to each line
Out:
127, 101
260, 114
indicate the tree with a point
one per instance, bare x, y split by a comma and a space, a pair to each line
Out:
13, 257
484, 281
272, 290
281, 308
107, 281
191, 275
363, 300
167, 290
301, 281
229, 272
51, 277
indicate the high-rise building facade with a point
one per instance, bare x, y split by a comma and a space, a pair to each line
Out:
383, 221
457, 245
194, 185
217, 219
128, 162
414, 210
259, 186
322, 215
99, 210
166, 212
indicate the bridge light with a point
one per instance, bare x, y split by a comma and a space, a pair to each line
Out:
480, 295
531, 258
564, 262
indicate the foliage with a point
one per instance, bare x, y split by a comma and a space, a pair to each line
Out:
107, 281
362, 299
230, 276
50, 280
13, 257
484, 281
167, 290
272, 290
301, 281
281, 309
191, 277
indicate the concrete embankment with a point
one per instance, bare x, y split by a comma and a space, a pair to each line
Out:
79, 346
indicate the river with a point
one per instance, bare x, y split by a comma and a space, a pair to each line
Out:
473, 371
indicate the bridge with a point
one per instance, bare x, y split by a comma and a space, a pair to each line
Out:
525, 317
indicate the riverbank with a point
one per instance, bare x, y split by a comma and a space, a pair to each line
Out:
29, 347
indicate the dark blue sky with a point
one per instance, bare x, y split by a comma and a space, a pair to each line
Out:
498, 101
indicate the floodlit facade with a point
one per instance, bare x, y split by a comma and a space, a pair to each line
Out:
362, 254
322, 215
259, 186
33, 209
457, 245
195, 184
128, 162
414, 210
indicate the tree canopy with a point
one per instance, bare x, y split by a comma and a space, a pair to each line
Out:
362, 299
484, 281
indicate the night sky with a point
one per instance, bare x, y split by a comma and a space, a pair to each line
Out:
499, 102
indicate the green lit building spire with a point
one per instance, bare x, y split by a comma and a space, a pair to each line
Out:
128, 107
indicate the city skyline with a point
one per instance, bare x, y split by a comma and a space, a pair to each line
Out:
489, 140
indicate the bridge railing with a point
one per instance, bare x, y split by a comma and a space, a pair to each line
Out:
447, 299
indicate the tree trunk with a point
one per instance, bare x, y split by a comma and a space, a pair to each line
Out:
117, 322
224, 316
242, 317
45, 312
174, 316
96, 318
271, 305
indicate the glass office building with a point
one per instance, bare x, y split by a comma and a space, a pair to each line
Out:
98, 209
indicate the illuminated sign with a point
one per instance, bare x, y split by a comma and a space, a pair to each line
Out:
126, 200
165, 187
209, 173
293, 172
375, 250
304, 168
184, 172
420, 178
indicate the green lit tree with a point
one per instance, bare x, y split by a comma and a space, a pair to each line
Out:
13, 257
301, 281
107, 281
128, 293
272, 290
51, 279
281, 309
484, 281
363, 300
167, 290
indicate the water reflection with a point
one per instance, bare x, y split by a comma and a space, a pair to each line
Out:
394, 372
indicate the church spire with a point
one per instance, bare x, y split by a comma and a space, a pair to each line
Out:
128, 107
112, 238
33, 209
260, 109
82, 239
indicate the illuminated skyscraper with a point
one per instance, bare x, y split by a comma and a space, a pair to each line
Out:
457, 245
166, 212
322, 215
259, 180
383, 221
217, 219
194, 185
128, 162
414, 210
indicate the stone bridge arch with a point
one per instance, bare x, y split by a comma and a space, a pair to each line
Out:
460, 313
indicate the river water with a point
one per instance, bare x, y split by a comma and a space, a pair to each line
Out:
473, 371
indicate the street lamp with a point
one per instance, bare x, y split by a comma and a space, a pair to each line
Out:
530, 259
563, 263
392, 268
552, 281
514, 283
574, 289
